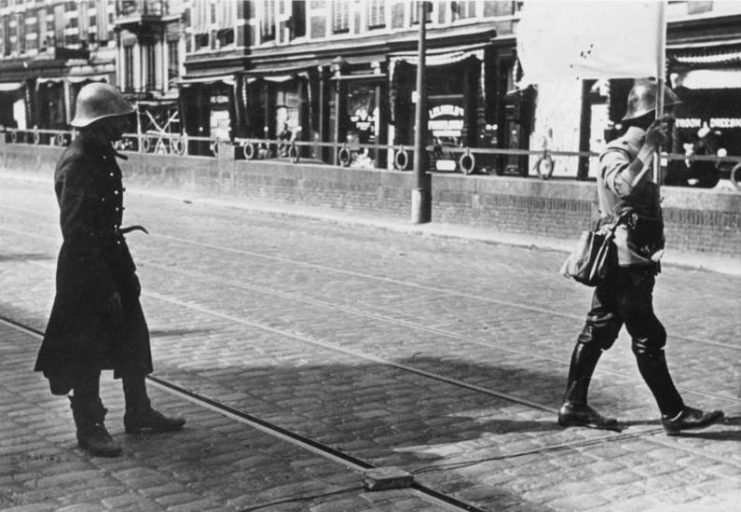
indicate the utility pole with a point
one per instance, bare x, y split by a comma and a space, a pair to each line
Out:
422, 191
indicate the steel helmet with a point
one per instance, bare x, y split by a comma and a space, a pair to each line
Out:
98, 101
642, 99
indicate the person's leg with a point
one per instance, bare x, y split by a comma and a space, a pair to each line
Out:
648, 342
599, 333
89, 415
139, 413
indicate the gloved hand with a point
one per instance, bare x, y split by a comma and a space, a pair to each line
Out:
657, 133
113, 308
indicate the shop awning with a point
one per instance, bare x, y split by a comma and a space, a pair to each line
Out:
707, 79
10, 86
76, 79
207, 80
443, 56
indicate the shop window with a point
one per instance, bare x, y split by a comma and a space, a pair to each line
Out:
377, 14
340, 16
173, 60
129, 68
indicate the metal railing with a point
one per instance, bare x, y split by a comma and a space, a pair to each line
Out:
465, 160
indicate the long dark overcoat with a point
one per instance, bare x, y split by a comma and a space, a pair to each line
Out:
94, 262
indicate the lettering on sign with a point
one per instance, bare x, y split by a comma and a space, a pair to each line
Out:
688, 122
446, 120
445, 110
725, 122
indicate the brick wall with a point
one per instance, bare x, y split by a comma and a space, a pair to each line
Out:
696, 220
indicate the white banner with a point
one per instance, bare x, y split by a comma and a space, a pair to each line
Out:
580, 40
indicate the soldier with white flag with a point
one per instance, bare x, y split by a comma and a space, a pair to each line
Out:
586, 40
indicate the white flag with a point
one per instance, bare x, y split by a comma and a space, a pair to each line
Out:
589, 39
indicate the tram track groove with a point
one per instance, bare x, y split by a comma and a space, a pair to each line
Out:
361, 275
374, 316
361, 354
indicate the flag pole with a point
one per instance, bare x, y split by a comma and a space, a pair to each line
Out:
660, 74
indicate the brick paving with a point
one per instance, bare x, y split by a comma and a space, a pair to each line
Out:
314, 325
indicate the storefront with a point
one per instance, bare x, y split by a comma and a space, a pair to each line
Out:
708, 121
207, 106
471, 103
12, 105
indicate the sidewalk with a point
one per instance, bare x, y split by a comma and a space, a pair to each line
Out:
714, 263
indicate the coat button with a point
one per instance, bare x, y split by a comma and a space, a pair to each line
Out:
118, 209
115, 192
111, 175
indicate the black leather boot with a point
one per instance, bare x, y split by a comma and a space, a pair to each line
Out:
690, 419
139, 414
91, 432
575, 412
139, 420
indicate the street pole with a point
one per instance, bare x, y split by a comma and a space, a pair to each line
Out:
421, 193
660, 73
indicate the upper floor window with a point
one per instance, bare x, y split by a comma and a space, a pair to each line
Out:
173, 60
84, 16
41, 21
225, 17
340, 16
102, 20
376, 13
297, 22
20, 31
59, 25
128, 68
267, 21
415, 6
463, 9
6, 35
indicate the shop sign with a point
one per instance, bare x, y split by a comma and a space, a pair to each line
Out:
713, 122
445, 121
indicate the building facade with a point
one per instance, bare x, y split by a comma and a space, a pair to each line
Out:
344, 72
48, 50
340, 74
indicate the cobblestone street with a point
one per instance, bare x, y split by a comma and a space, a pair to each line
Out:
443, 356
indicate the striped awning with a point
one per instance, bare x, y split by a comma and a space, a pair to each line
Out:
708, 58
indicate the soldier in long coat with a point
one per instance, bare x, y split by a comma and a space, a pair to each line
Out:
97, 321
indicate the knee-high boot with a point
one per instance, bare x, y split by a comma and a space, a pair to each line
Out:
139, 414
575, 411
